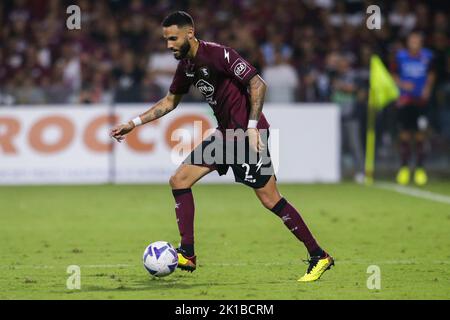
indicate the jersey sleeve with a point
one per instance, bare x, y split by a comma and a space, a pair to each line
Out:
230, 63
180, 83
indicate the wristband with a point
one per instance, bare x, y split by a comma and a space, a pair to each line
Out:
137, 121
252, 124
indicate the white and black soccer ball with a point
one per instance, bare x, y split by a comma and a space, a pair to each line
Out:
160, 259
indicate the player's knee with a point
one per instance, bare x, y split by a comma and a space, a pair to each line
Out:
268, 202
178, 181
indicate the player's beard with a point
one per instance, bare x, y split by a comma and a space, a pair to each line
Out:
184, 49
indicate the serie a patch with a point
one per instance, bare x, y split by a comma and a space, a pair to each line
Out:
240, 68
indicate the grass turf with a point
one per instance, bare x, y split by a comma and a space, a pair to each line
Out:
244, 251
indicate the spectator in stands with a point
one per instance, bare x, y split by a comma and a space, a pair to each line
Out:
402, 17
282, 80
71, 66
27, 92
127, 79
275, 43
161, 67
3, 69
57, 92
344, 93
441, 48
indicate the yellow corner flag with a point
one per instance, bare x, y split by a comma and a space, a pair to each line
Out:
382, 91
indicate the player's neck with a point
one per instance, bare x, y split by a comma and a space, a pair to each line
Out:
194, 48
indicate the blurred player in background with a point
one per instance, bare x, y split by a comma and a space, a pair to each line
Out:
235, 92
415, 78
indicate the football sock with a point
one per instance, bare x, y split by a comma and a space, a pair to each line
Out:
294, 222
420, 152
188, 249
184, 209
318, 253
405, 152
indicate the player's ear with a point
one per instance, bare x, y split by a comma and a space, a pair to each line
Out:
190, 33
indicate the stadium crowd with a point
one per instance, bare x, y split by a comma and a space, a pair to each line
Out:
119, 54
304, 48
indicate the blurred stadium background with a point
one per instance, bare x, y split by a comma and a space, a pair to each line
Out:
300, 47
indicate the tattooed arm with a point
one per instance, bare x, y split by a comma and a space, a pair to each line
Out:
257, 88
162, 107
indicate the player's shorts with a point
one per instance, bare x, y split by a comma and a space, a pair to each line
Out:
250, 168
411, 117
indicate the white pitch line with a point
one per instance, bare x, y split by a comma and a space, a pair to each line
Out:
413, 192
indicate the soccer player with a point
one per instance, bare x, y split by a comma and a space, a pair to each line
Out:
414, 76
235, 92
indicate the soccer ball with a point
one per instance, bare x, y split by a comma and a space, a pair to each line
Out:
160, 259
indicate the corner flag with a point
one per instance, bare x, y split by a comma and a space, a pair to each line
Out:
382, 91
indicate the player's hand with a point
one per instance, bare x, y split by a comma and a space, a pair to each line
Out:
121, 130
255, 140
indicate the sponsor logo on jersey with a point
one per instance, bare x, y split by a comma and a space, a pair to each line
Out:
205, 88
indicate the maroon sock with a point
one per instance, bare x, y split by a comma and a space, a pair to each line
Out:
294, 222
405, 152
184, 208
420, 152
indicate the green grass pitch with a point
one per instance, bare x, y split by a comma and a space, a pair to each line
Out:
244, 251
